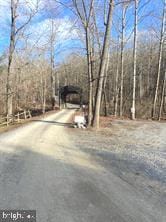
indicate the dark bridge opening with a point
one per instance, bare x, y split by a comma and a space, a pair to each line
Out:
65, 91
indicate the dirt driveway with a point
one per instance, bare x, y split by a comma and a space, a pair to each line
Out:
67, 175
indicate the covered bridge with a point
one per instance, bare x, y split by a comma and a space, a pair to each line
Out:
67, 90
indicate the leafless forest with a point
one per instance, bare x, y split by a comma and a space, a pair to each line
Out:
119, 60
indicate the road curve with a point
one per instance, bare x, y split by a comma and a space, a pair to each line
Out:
42, 169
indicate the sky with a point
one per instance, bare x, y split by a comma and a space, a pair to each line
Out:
38, 31
67, 40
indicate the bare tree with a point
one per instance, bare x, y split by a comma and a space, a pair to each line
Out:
115, 73
9, 93
124, 10
134, 59
52, 57
162, 96
85, 15
103, 62
159, 59
14, 5
116, 90
43, 92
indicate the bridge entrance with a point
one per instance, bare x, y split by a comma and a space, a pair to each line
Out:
65, 91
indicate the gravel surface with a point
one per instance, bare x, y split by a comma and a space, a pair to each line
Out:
134, 150
77, 175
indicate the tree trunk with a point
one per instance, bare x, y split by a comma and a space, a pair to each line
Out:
43, 93
52, 65
149, 69
141, 90
102, 66
104, 85
122, 59
90, 84
105, 103
159, 61
116, 92
134, 60
162, 97
85, 16
9, 93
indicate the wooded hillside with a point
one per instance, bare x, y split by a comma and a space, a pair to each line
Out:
115, 52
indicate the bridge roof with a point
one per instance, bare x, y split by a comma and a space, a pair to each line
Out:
65, 90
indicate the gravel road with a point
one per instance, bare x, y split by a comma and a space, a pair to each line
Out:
42, 167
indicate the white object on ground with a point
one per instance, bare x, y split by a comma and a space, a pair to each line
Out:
80, 122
